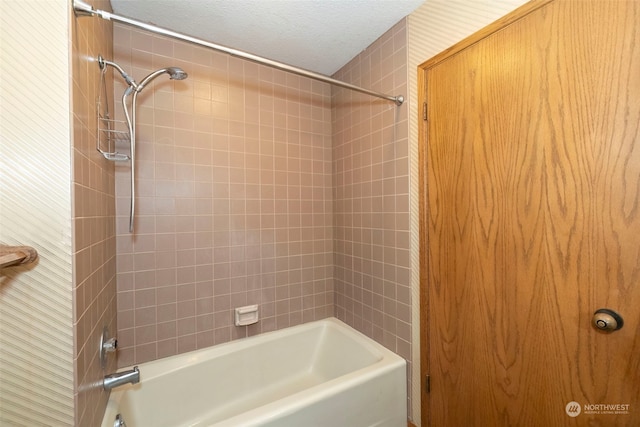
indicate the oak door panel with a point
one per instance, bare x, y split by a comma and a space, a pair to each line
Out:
533, 200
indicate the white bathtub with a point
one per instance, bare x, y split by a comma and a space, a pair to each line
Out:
322, 374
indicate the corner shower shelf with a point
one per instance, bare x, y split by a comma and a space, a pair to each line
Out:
14, 255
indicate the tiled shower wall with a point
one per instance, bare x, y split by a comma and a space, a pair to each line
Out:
234, 201
93, 216
371, 167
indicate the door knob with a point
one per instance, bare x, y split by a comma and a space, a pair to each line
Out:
607, 320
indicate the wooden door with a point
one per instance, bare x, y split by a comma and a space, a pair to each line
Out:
531, 168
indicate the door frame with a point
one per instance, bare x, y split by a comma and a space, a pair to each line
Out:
422, 118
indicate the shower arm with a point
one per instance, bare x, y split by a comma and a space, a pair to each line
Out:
103, 62
81, 8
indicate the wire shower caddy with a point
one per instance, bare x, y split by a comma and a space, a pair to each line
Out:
109, 134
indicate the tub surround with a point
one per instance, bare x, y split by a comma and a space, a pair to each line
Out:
237, 193
371, 197
234, 201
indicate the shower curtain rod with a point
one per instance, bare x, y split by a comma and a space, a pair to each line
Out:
84, 9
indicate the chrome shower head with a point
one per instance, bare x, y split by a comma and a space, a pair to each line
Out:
175, 73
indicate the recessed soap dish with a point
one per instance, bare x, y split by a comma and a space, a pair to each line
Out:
247, 315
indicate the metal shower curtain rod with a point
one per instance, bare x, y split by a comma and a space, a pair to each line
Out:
83, 9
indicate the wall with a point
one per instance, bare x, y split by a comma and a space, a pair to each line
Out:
234, 200
36, 335
93, 196
372, 218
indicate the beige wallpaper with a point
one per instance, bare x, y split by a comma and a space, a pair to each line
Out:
51, 313
234, 200
36, 335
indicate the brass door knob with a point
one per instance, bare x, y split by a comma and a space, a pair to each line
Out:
607, 320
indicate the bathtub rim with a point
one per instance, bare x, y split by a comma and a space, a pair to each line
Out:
183, 360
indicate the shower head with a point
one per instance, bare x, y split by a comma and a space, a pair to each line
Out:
175, 73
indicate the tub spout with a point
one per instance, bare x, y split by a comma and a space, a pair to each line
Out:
114, 380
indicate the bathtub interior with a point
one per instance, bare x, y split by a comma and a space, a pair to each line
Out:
201, 389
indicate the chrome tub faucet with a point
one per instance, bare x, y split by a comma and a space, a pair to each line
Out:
120, 378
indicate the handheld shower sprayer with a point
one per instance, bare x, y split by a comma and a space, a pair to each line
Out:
175, 73
134, 88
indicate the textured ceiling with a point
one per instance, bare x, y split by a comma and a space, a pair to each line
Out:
317, 35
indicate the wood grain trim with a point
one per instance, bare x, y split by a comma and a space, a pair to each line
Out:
410, 424
423, 230
499, 24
